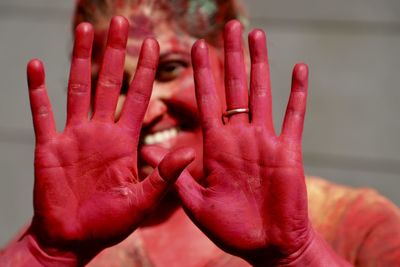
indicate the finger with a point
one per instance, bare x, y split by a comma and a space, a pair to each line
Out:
235, 71
163, 177
79, 79
111, 73
42, 115
139, 92
153, 154
206, 92
260, 84
189, 190
295, 112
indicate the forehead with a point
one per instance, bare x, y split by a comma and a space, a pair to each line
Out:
148, 19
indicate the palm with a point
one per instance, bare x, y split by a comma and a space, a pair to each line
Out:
85, 163
247, 187
89, 149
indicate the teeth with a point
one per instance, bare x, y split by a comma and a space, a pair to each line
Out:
160, 136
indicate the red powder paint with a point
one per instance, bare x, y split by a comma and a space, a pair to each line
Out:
141, 27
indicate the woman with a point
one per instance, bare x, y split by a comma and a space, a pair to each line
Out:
245, 189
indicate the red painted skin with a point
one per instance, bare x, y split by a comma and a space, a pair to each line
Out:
86, 179
252, 200
263, 180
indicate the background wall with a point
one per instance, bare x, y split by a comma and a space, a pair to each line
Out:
353, 123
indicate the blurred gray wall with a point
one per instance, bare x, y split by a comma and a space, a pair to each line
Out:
353, 123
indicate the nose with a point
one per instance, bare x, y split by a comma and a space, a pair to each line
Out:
157, 105
156, 109
179, 103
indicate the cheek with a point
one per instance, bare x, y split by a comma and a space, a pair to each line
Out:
178, 95
186, 90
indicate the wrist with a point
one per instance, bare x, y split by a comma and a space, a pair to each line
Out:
316, 252
278, 256
74, 253
49, 257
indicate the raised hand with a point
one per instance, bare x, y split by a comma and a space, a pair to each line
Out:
87, 193
253, 202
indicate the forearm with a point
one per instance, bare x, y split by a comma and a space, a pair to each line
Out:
26, 252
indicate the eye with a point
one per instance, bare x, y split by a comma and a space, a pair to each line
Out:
169, 70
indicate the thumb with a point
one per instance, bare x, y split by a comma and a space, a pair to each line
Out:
191, 193
189, 190
172, 165
153, 154
160, 180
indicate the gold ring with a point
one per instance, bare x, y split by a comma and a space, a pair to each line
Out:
234, 111
231, 112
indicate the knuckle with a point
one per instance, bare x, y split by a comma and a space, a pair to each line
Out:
259, 90
233, 49
299, 90
258, 62
147, 64
235, 84
78, 88
295, 113
140, 97
42, 111
38, 91
110, 83
298, 100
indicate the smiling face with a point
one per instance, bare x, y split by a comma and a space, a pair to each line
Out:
171, 120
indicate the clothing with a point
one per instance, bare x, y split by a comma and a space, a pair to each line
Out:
359, 224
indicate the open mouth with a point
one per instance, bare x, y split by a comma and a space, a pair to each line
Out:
170, 128
160, 136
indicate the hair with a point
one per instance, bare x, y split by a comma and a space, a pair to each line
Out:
199, 18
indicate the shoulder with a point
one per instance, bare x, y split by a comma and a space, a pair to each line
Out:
359, 223
333, 199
